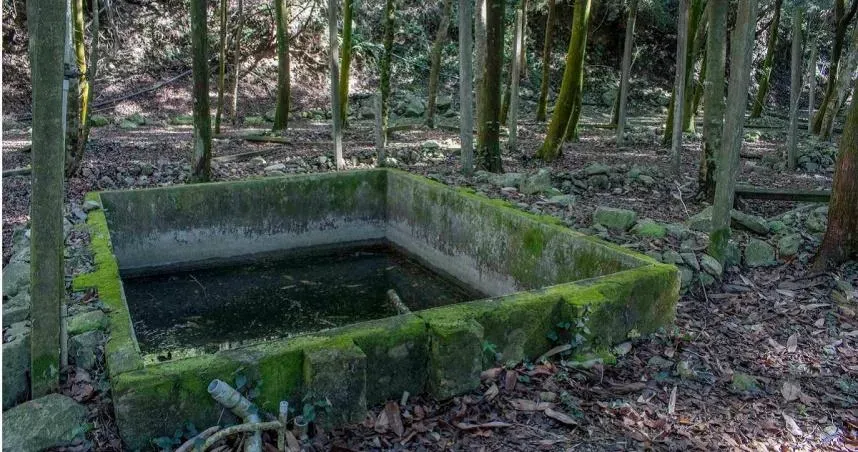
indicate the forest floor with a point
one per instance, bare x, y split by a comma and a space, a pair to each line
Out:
764, 359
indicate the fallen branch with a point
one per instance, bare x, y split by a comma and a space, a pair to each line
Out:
189, 444
25, 171
773, 194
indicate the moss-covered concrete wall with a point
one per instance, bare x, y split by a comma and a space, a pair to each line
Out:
193, 223
489, 244
545, 274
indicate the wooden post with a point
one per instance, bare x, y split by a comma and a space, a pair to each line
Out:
512, 125
741, 45
627, 67
48, 28
336, 105
466, 87
679, 86
795, 88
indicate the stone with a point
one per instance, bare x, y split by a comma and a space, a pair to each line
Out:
701, 221
16, 309
323, 160
536, 183
106, 182
127, 125
443, 103
646, 180
430, 145
759, 254
16, 366
659, 363
16, 277
672, 257
599, 182
711, 265
733, 255
677, 230
258, 161
752, 223
777, 226
649, 228
690, 259
336, 372
98, 121
815, 223
596, 168
706, 279
655, 255
414, 108
613, 218
275, 167
83, 349
52, 420
562, 200
788, 245
87, 321
90, 205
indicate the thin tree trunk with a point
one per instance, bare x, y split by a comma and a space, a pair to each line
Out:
811, 77
695, 10
466, 75
697, 36
236, 61
626, 69
741, 44
571, 132
78, 89
844, 80
842, 19
435, 59
516, 67
765, 72
841, 237
795, 88
47, 25
507, 92
389, 17
346, 60
679, 86
284, 88
570, 88
713, 103
336, 106
488, 138
221, 73
202, 147
480, 61
379, 130
545, 82
699, 87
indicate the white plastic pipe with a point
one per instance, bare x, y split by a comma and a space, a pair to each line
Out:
224, 394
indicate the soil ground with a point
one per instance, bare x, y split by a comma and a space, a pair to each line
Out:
766, 359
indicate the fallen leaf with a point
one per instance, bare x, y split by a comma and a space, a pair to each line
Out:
491, 374
792, 343
791, 425
554, 351
529, 405
671, 405
560, 417
491, 393
790, 390
623, 349
292, 442
819, 323
394, 417
510, 379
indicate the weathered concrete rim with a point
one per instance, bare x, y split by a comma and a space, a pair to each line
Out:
436, 350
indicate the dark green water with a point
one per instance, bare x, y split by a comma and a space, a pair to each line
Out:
229, 305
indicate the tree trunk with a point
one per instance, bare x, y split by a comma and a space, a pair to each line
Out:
570, 88
507, 92
545, 82
221, 75
336, 106
695, 12
435, 59
741, 44
480, 61
346, 60
488, 138
697, 36
466, 94
844, 80
516, 67
236, 61
78, 129
764, 75
202, 148
389, 16
713, 103
811, 79
795, 88
841, 237
583, 25
699, 87
47, 25
626, 69
842, 19
679, 86
284, 83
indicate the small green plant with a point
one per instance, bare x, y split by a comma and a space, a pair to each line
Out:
312, 405
490, 351
168, 443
